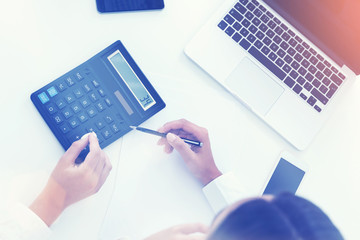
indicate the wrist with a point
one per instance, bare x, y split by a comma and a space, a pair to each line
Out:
50, 203
210, 175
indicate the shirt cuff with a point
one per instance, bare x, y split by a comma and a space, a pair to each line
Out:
29, 226
224, 191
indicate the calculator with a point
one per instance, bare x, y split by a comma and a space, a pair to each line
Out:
106, 94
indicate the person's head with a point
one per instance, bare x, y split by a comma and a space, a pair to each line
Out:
284, 216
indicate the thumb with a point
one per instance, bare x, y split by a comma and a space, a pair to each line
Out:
179, 145
75, 149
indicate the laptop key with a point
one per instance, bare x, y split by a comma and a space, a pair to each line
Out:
336, 79
342, 76
257, 12
320, 66
237, 37
289, 82
316, 83
291, 33
236, 15
288, 59
230, 20
300, 80
279, 30
319, 96
319, 75
323, 89
292, 42
298, 57
277, 21
251, 7
312, 69
311, 101
237, 26
245, 44
256, 21
327, 72
297, 88
249, 15
280, 62
240, 8
303, 96
309, 77
295, 65
262, 8
251, 38
284, 45
272, 56
299, 48
244, 32
260, 35
265, 18
229, 31
302, 71
271, 24
274, 47
317, 108
281, 53
267, 63
286, 68
291, 51
305, 63
306, 54
326, 81
258, 44
245, 23
263, 27
285, 36
284, 27
294, 74
314, 60
308, 86
253, 29
267, 41
265, 50
222, 25
332, 90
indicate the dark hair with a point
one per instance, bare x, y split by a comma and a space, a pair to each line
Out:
285, 217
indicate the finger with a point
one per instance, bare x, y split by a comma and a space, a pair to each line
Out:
179, 145
185, 125
193, 228
94, 156
168, 148
195, 237
75, 149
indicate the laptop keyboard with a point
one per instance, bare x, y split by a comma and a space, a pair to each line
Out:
284, 53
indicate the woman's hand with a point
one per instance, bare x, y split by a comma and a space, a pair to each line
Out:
70, 183
194, 231
199, 160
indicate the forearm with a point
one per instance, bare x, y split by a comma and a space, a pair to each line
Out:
50, 203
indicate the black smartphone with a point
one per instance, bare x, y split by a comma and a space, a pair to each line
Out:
104, 6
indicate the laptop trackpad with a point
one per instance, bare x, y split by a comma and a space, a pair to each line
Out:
254, 86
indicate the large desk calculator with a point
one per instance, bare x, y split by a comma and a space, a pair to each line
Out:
106, 94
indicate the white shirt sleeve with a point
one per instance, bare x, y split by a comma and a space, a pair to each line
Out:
223, 191
20, 223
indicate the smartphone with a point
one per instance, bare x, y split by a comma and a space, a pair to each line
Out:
286, 175
104, 6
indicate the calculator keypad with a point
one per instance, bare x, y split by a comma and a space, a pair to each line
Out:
78, 104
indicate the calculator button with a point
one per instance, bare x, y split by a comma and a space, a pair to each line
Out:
52, 91
95, 83
74, 123
67, 113
43, 97
106, 133
61, 86
58, 119
83, 117
75, 137
87, 88
101, 92
100, 106
85, 102
60, 103
76, 107
90, 129
79, 76
69, 81
94, 97
78, 93
51, 108
91, 111
108, 102
70, 98
108, 119
64, 128
115, 128
100, 124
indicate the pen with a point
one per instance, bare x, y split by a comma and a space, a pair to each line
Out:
188, 141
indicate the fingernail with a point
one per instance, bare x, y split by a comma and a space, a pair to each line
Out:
170, 137
85, 135
94, 133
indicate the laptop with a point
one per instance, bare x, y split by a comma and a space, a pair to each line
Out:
288, 61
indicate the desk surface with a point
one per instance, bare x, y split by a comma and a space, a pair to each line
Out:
41, 40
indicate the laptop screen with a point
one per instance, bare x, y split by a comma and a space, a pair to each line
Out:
333, 25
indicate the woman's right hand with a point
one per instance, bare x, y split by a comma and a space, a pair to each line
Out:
199, 160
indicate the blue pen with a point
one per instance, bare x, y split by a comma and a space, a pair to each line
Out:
188, 141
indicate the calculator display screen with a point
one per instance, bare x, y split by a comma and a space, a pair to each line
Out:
132, 81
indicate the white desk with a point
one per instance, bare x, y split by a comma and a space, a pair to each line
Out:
41, 40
